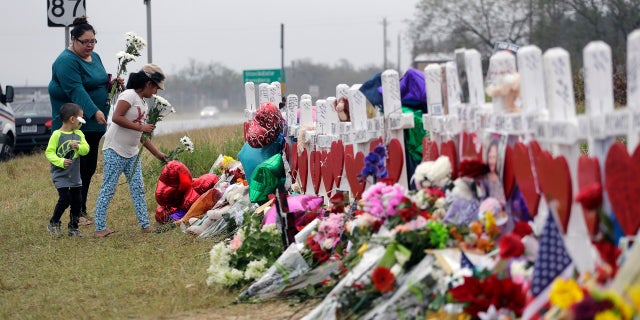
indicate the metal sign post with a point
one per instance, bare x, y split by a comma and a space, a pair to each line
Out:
61, 13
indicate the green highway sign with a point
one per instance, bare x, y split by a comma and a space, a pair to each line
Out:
262, 76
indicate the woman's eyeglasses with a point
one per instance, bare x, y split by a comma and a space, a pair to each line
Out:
88, 41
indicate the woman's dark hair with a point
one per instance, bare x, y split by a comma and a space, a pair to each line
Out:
80, 26
138, 80
69, 110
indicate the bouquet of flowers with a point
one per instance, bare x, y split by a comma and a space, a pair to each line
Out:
318, 243
572, 300
185, 145
133, 48
157, 111
490, 296
247, 256
419, 291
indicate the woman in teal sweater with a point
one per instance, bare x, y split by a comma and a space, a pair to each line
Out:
78, 76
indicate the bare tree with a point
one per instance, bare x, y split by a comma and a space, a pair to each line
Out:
445, 25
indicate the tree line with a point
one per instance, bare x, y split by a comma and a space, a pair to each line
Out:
443, 26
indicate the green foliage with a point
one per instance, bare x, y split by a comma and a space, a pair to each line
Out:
257, 244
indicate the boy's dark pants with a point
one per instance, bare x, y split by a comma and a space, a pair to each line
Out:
68, 197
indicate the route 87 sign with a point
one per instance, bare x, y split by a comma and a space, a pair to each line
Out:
61, 13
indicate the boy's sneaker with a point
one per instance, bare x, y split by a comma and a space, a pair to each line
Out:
74, 233
54, 229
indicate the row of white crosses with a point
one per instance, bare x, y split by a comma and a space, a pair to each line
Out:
548, 115
319, 135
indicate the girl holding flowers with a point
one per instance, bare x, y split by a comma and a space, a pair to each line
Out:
120, 147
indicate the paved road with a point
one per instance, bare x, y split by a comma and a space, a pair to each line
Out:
173, 124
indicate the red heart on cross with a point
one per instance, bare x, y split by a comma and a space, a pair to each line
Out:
554, 178
523, 172
314, 164
326, 172
374, 143
336, 161
294, 162
589, 175
508, 173
448, 149
429, 150
622, 179
353, 165
303, 167
470, 149
395, 160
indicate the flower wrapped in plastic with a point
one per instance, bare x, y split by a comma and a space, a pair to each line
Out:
330, 304
419, 291
247, 256
316, 243
290, 265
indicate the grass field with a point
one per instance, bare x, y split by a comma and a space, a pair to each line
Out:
128, 275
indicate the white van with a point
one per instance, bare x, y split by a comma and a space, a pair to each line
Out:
7, 124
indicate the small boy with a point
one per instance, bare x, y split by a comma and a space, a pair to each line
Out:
65, 147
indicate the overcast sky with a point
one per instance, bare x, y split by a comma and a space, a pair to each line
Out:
239, 34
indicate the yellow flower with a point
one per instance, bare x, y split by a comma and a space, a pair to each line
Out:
362, 249
490, 220
565, 293
634, 294
607, 315
226, 160
620, 304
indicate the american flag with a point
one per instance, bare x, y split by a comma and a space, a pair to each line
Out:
552, 261
465, 262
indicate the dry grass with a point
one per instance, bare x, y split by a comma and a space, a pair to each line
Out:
128, 275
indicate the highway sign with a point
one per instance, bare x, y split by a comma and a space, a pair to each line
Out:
262, 76
61, 13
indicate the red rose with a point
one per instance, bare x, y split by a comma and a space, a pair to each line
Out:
510, 246
435, 193
472, 168
408, 211
522, 229
383, 279
320, 256
590, 197
609, 254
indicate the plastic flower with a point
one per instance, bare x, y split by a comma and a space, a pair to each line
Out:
565, 293
510, 246
383, 279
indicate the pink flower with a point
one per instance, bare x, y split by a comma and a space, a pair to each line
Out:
235, 243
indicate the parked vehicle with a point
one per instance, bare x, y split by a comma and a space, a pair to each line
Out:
209, 112
33, 124
7, 124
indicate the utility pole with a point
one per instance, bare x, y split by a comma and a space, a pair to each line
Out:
148, 3
384, 42
282, 76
